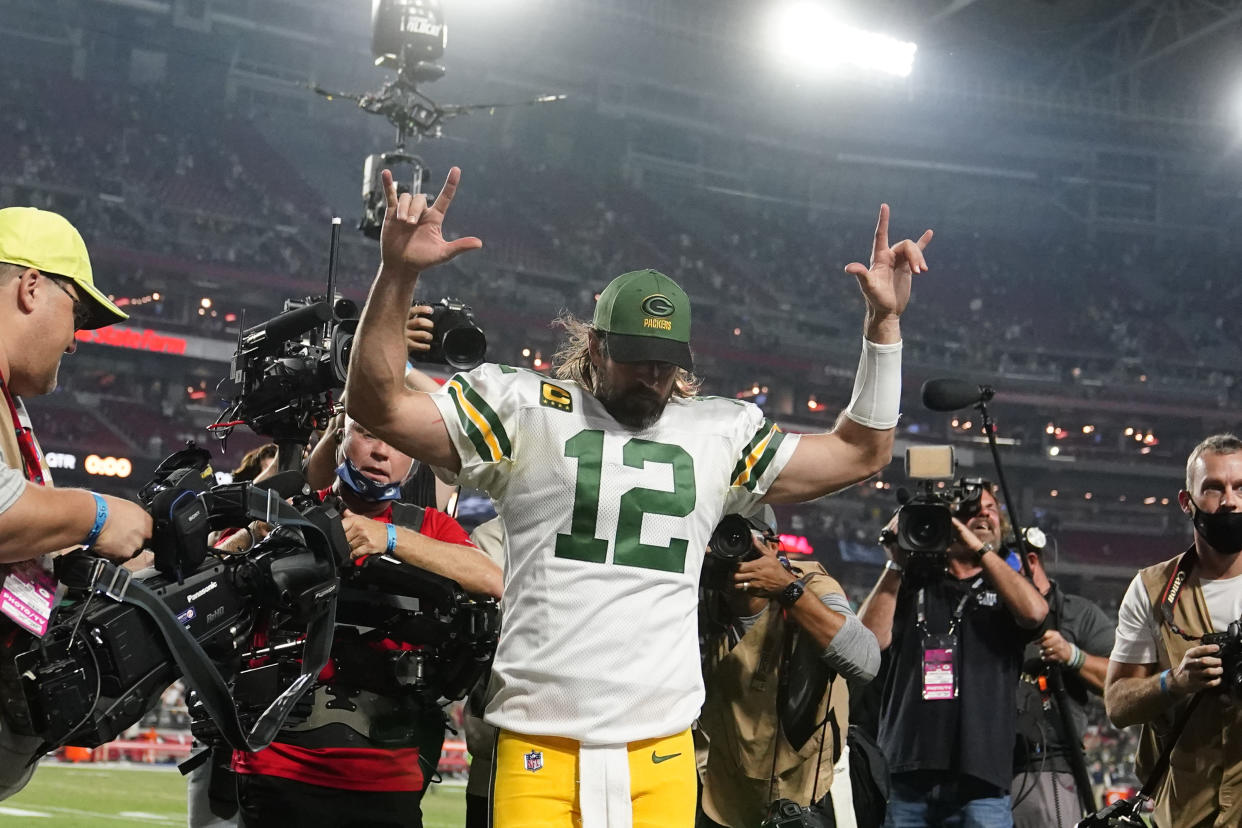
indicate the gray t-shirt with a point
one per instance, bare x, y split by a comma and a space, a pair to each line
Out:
12, 484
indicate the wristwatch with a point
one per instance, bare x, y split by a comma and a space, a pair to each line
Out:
790, 594
984, 550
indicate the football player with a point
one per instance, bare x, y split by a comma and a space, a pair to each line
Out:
609, 479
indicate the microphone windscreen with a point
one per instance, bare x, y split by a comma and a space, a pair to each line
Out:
950, 394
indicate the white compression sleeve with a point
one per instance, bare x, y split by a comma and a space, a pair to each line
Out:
877, 386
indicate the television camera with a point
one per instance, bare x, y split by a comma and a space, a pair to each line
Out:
925, 520
408, 36
116, 640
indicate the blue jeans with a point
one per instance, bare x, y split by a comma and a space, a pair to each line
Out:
953, 803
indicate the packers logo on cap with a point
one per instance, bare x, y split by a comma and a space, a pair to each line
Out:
647, 317
658, 305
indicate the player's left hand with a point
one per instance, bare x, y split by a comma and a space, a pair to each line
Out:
365, 536
418, 329
765, 576
1054, 649
886, 284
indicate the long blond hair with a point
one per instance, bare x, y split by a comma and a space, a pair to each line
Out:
572, 360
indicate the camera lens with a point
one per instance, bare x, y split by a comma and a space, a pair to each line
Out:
924, 527
464, 347
923, 533
731, 538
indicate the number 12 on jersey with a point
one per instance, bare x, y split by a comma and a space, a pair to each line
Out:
581, 544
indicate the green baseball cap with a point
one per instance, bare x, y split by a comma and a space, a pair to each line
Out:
647, 318
46, 241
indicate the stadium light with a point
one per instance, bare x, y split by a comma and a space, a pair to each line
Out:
808, 35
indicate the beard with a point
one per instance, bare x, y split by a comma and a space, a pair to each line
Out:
636, 408
985, 530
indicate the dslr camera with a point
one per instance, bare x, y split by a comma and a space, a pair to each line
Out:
732, 542
785, 813
1230, 643
925, 520
1121, 814
456, 340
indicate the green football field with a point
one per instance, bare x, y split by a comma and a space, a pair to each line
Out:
86, 796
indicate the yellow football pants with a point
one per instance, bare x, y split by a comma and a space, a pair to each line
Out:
552, 782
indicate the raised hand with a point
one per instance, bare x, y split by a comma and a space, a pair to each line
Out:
886, 284
412, 236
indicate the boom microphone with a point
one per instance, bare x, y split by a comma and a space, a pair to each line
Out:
952, 394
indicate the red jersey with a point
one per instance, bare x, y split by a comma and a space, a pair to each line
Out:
355, 769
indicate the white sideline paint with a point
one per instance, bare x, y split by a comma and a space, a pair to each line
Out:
18, 812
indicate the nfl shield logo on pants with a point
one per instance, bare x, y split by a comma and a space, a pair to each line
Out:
534, 760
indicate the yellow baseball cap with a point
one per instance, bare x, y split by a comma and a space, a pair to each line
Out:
46, 241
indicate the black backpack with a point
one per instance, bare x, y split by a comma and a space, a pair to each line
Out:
868, 778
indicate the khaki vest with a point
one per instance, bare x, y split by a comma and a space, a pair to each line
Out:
1204, 784
739, 722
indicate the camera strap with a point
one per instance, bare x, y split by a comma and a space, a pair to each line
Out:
959, 611
100, 576
1173, 591
33, 463
787, 648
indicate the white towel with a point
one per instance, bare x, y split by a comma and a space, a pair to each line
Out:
604, 786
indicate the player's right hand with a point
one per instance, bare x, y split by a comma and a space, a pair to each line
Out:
1200, 668
412, 236
128, 527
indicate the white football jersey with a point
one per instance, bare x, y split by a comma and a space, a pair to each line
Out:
606, 529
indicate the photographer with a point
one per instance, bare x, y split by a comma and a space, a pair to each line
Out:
47, 294
1159, 661
364, 755
1077, 638
957, 626
321, 465
781, 642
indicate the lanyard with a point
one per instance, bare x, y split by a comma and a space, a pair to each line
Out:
956, 618
32, 460
1173, 590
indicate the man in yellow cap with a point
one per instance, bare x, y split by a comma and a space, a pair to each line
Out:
47, 294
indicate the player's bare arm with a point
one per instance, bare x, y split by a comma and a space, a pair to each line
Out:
861, 442
411, 241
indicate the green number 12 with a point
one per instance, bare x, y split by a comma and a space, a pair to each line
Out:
580, 544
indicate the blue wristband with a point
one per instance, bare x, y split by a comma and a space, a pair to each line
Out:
101, 517
392, 538
1164, 682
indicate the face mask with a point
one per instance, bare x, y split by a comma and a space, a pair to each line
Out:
1222, 530
363, 486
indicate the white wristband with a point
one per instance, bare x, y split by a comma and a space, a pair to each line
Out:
877, 386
